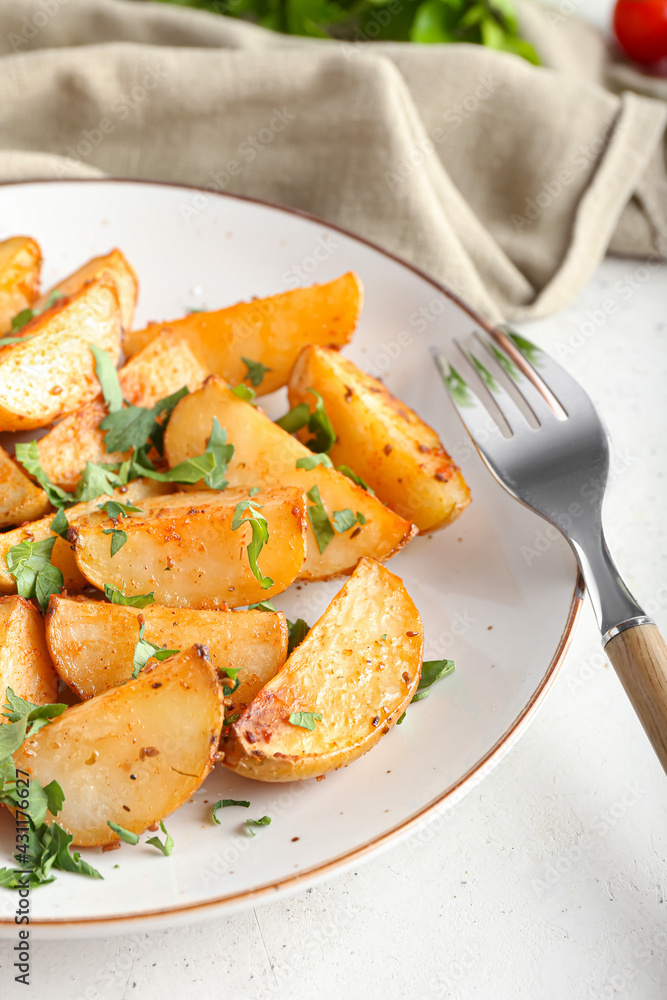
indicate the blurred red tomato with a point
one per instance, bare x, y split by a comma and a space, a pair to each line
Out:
641, 28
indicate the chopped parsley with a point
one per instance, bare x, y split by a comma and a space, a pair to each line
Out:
319, 519
60, 525
125, 835
306, 720
30, 565
297, 632
108, 379
45, 846
244, 392
312, 461
168, 845
144, 650
256, 371
317, 422
347, 471
260, 536
224, 804
345, 519
432, 671
117, 596
264, 821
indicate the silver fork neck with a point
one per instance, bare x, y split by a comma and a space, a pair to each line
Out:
615, 607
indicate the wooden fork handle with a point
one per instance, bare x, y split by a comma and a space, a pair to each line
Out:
639, 656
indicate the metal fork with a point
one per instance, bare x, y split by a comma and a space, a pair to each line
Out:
541, 437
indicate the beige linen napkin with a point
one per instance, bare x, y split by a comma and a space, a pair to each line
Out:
506, 182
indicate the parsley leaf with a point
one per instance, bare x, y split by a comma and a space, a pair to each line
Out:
125, 835
222, 453
311, 461
144, 650
118, 539
30, 565
319, 520
16, 709
27, 455
347, 471
432, 671
168, 845
224, 803
297, 632
318, 423
262, 606
264, 821
60, 524
256, 371
96, 480
22, 319
306, 720
115, 509
117, 596
107, 376
244, 392
260, 536
345, 519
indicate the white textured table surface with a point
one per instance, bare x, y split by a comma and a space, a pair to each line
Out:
549, 880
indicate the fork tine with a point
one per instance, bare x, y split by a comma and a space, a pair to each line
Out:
475, 417
549, 377
544, 408
500, 398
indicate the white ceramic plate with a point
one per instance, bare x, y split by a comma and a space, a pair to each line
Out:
488, 599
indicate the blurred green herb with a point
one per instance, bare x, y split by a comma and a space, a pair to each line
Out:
483, 22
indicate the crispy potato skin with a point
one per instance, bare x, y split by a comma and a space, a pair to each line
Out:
53, 372
265, 453
20, 267
134, 754
92, 642
25, 664
75, 440
20, 499
184, 550
111, 265
271, 330
62, 555
382, 439
360, 682
163, 367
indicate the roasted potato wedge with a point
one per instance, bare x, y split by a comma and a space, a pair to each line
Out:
52, 371
358, 667
62, 555
92, 643
272, 331
134, 754
25, 665
183, 548
266, 454
382, 439
163, 367
111, 265
20, 499
20, 266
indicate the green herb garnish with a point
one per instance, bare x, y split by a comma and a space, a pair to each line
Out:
306, 720
125, 835
168, 845
319, 519
256, 371
224, 804
317, 422
144, 650
117, 596
264, 821
30, 565
260, 536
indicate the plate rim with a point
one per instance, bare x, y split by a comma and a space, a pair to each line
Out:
455, 791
